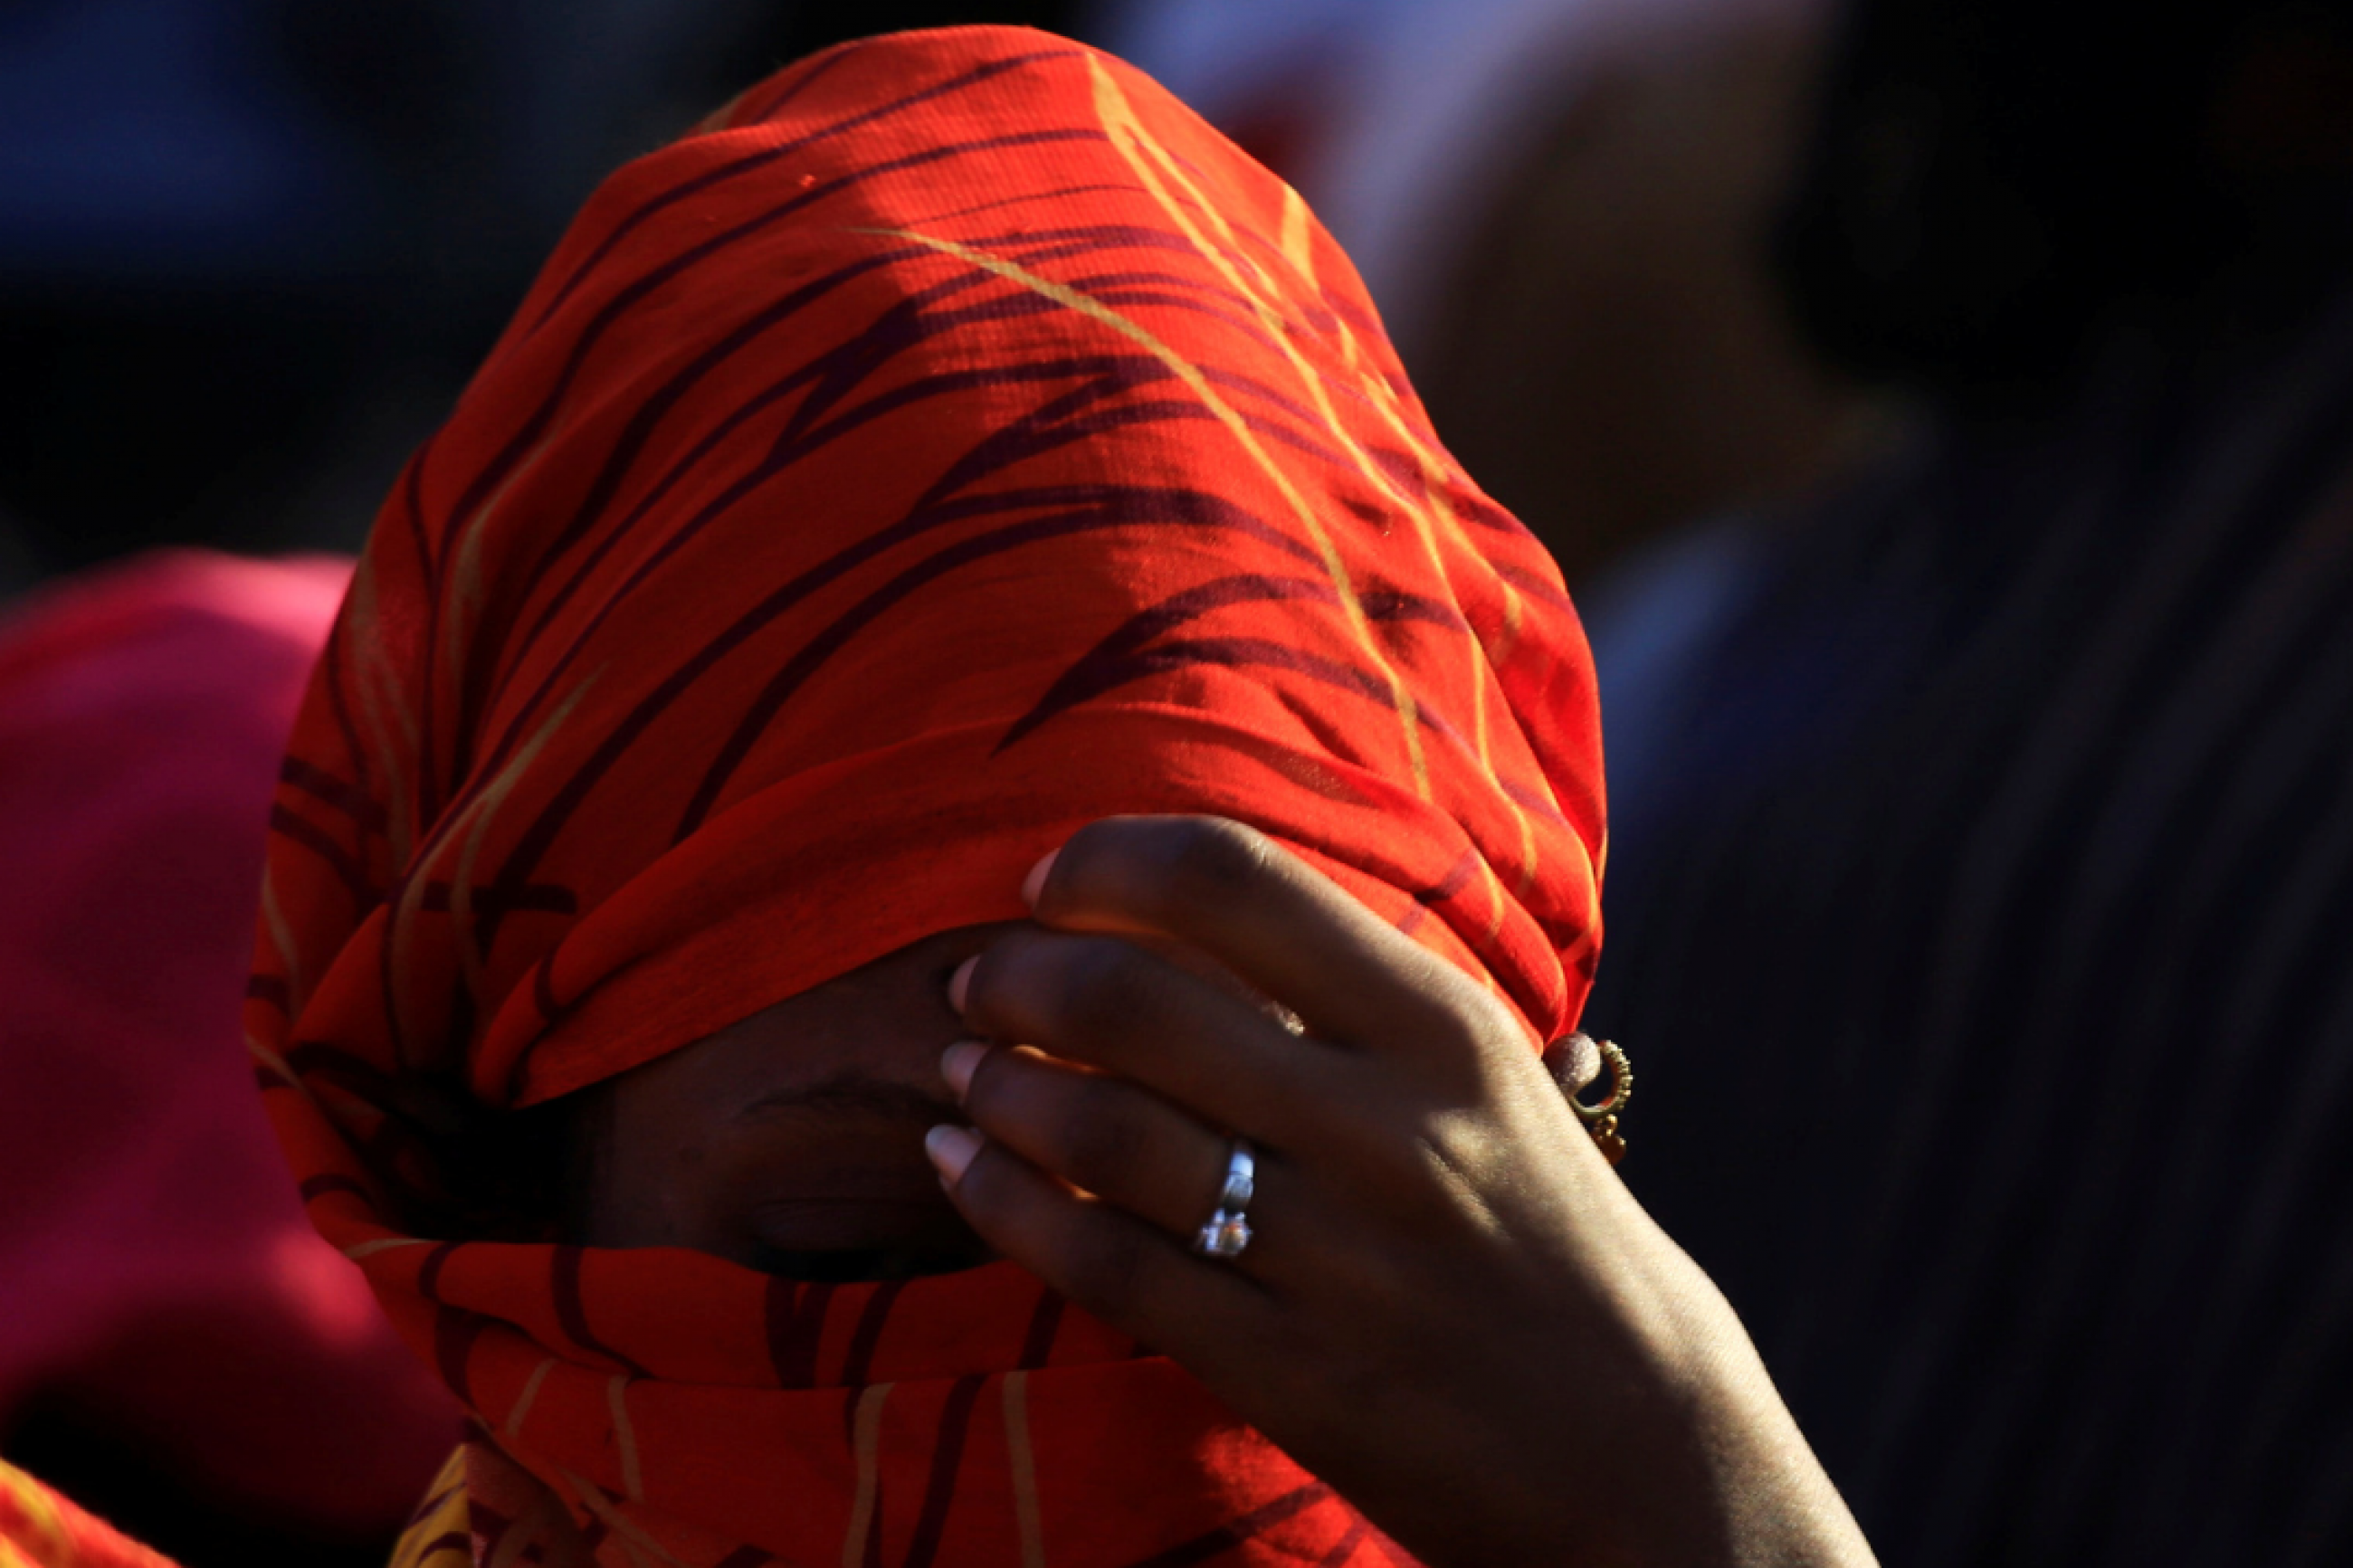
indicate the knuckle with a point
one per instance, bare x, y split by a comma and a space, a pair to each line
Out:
1048, 983
1499, 1024
1453, 1043
1212, 860
1101, 985
1471, 1026
1158, 866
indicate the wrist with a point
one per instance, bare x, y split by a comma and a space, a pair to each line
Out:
1705, 1464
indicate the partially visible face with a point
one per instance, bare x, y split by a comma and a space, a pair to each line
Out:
792, 1141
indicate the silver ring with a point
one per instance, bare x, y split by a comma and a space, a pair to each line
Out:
1228, 1232
1242, 1177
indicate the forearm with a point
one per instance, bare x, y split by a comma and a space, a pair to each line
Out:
1714, 1468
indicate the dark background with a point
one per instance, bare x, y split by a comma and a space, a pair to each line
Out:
249, 249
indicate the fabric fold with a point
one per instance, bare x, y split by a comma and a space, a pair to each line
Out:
952, 443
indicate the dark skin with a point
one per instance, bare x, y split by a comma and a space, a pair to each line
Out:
1453, 1311
792, 1141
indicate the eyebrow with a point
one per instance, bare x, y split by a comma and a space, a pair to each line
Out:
859, 1093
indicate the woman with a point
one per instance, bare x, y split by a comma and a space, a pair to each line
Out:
955, 444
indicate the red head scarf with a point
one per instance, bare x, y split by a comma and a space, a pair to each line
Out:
952, 443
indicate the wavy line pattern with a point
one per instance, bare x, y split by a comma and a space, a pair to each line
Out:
951, 442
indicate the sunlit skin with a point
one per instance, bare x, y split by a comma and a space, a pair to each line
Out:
1454, 1312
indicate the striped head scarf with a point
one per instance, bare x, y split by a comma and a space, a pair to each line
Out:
41, 1528
951, 442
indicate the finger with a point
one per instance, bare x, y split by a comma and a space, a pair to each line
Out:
1100, 1134
1283, 926
1113, 1264
1107, 1002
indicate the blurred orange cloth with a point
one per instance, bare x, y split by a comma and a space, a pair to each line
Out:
156, 1273
957, 441
39, 1529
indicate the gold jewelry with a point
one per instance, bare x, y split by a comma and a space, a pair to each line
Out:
1601, 1120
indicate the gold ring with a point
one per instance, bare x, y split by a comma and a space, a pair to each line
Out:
1601, 1120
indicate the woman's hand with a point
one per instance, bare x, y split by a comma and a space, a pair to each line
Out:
1451, 1309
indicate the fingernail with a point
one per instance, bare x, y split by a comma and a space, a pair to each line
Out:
960, 983
1034, 884
958, 1063
951, 1150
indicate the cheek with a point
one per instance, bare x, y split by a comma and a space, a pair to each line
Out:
817, 1186
653, 1180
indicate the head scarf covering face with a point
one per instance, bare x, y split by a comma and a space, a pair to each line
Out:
954, 442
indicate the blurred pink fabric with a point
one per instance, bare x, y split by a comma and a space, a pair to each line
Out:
158, 1275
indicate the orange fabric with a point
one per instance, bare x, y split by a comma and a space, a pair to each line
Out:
955, 442
442, 1530
39, 1529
